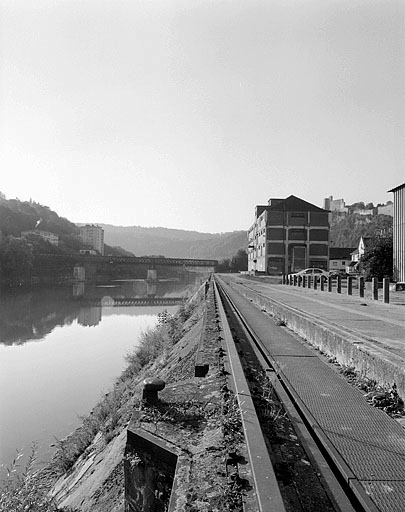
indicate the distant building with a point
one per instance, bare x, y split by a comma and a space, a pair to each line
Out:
46, 235
94, 236
357, 254
361, 211
89, 252
399, 233
335, 205
386, 209
339, 206
340, 258
288, 235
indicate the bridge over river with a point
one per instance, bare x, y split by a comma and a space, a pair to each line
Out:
84, 266
132, 301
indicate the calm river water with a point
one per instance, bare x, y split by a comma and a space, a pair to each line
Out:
61, 349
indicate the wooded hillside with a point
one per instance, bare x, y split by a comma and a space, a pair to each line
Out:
345, 231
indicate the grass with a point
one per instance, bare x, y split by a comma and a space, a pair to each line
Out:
25, 492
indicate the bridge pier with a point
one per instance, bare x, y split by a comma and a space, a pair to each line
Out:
152, 274
79, 273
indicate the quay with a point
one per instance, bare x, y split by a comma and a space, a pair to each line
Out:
365, 444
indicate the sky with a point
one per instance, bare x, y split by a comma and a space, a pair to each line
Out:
188, 113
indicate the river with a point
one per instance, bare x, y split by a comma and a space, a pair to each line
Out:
61, 349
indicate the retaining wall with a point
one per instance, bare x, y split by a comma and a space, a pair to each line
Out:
364, 355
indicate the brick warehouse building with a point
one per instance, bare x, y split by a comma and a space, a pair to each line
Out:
288, 235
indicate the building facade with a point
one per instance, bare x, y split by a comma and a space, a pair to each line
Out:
93, 236
398, 228
339, 259
46, 235
288, 235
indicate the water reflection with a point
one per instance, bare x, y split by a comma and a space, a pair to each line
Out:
31, 315
85, 332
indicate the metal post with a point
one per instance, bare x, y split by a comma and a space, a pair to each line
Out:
386, 290
315, 282
284, 279
361, 286
323, 279
299, 281
339, 284
350, 285
374, 285
330, 284
291, 280
304, 281
295, 281
309, 281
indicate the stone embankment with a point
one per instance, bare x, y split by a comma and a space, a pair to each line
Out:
195, 421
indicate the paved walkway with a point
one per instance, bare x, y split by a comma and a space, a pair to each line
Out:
369, 319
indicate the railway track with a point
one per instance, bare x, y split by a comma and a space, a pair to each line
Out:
304, 471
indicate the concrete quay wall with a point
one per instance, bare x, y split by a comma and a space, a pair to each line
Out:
365, 355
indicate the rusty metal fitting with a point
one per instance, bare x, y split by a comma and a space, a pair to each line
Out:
151, 386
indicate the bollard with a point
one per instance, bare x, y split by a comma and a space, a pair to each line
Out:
386, 290
284, 279
315, 282
323, 279
330, 283
151, 386
299, 281
304, 281
349, 285
339, 284
295, 281
309, 281
291, 280
361, 286
374, 285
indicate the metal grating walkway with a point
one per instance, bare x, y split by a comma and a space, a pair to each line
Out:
371, 444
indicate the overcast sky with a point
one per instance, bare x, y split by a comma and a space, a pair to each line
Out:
186, 114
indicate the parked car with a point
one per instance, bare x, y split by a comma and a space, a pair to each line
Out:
312, 272
341, 273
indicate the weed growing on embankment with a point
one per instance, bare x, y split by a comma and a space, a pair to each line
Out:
25, 492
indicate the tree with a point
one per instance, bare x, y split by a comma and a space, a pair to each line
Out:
240, 261
235, 264
15, 260
378, 260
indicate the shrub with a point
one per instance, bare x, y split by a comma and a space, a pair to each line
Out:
25, 492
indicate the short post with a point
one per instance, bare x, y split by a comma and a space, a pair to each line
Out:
284, 279
295, 281
350, 285
374, 286
330, 283
323, 279
315, 282
309, 281
151, 386
386, 290
304, 281
339, 284
361, 286
291, 280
